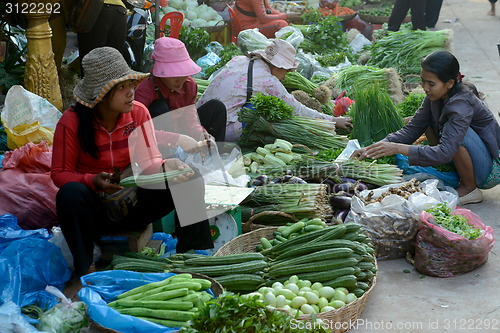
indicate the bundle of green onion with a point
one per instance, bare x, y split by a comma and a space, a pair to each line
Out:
300, 200
311, 132
404, 50
296, 81
373, 116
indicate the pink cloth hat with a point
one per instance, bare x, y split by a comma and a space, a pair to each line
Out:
172, 59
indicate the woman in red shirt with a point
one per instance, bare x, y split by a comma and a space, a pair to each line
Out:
91, 140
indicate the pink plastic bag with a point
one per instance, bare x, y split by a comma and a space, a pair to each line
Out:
442, 253
26, 189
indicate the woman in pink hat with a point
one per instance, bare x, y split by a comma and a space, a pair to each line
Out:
171, 88
260, 72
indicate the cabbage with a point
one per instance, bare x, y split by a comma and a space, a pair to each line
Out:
213, 23
177, 4
213, 14
191, 4
186, 23
190, 15
199, 22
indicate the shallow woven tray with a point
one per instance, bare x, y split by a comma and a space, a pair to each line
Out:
347, 17
251, 226
376, 19
339, 320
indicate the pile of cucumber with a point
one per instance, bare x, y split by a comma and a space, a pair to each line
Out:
337, 256
171, 302
291, 230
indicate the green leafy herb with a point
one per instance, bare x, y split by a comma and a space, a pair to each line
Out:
196, 40
453, 222
410, 105
227, 54
241, 314
271, 108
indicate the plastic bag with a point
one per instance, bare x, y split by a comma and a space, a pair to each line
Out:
100, 288
65, 317
252, 39
26, 189
358, 43
28, 117
449, 178
392, 223
443, 253
12, 321
208, 60
28, 265
290, 34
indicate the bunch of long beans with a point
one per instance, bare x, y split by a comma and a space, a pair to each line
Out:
311, 132
300, 200
404, 50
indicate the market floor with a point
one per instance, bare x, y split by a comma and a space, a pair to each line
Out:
410, 302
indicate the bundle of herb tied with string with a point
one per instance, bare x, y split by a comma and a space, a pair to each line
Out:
271, 118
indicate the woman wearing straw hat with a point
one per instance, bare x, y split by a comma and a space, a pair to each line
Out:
260, 72
94, 137
171, 87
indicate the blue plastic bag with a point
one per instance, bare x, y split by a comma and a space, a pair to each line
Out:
10, 231
103, 287
449, 178
28, 265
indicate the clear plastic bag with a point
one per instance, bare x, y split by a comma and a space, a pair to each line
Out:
12, 321
392, 223
252, 39
443, 253
290, 34
65, 317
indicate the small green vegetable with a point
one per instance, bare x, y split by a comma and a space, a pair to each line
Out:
455, 223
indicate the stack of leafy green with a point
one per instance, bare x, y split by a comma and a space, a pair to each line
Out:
350, 3
229, 51
331, 154
373, 115
410, 105
404, 50
325, 37
243, 314
455, 223
196, 40
272, 119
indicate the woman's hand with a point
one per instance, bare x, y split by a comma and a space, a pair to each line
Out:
190, 145
343, 122
293, 17
102, 183
381, 149
176, 164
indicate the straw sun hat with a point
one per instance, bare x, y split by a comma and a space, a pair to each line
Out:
279, 53
104, 68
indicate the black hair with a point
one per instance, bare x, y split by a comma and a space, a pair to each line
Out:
86, 133
445, 66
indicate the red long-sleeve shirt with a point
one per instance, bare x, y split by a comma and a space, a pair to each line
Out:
71, 164
258, 7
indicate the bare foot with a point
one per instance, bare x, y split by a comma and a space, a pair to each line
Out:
491, 13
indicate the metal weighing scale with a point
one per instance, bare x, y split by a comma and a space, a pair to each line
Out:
224, 213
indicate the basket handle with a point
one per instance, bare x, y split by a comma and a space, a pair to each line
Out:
248, 225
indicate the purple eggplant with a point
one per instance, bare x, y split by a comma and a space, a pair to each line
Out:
342, 214
277, 180
340, 201
346, 187
359, 186
347, 180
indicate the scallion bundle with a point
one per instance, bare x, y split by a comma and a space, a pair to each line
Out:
404, 50
373, 116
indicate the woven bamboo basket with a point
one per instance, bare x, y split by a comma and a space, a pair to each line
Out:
339, 320
347, 17
249, 225
216, 28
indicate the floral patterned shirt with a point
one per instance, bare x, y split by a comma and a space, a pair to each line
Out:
230, 87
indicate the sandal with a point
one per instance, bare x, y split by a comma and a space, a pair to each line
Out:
491, 13
471, 197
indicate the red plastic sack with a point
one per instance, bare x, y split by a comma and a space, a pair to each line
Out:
26, 189
442, 253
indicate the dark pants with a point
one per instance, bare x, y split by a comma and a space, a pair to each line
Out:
83, 219
401, 9
110, 29
432, 10
212, 115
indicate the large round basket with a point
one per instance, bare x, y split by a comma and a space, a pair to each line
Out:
347, 17
376, 19
216, 28
250, 225
339, 320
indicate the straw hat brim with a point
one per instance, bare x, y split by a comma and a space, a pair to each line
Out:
82, 97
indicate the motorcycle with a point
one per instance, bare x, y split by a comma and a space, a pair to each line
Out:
138, 18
